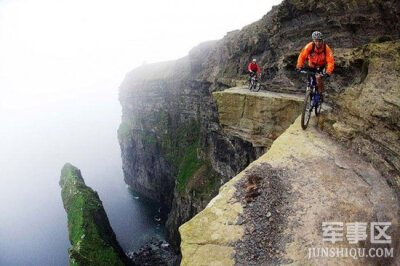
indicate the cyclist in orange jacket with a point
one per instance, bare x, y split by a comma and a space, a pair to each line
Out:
319, 56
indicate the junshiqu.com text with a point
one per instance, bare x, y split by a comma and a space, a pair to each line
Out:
355, 253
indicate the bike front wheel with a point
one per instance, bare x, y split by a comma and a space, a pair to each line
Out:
307, 108
252, 84
319, 106
318, 109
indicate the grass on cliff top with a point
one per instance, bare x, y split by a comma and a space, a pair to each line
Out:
88, 232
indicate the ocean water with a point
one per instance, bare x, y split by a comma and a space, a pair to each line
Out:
35, 143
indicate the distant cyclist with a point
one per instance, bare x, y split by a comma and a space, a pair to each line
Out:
253, 68
319, 56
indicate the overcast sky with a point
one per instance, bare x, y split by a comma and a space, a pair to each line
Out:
61, 63
54, 50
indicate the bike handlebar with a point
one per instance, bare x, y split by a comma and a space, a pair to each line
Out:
312, 72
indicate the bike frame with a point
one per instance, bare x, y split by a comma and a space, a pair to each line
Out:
312, 99
253, 82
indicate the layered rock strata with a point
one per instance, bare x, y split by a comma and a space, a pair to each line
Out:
366, 115
276, 39
257, 117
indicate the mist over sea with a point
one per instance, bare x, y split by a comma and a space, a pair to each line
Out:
35, 143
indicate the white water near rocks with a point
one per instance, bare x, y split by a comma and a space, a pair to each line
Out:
35, 143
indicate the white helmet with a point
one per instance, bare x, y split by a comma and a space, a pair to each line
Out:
316, 35
254, 60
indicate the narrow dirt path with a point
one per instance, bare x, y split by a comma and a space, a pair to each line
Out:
317, 181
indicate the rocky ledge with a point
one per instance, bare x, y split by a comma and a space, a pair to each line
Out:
256, 117
90, 233
273, 211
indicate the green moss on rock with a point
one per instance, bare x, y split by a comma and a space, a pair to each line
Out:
179, 143
382, 38
92, 238
188, 166
124, 130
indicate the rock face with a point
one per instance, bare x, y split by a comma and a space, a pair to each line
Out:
171, 140
257, 117
92, 238
272, 212
278, 37
366, 116
179, 144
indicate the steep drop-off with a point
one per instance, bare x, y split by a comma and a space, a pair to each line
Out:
177, 149
273, 212
172, 146
92, 238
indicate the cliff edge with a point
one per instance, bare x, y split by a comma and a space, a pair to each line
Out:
273, 212
342, 169
92, 238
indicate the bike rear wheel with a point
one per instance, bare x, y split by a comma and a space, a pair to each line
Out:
307, 109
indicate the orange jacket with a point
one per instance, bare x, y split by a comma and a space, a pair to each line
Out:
317, 58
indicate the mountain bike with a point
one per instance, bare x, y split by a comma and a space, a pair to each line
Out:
313, 99
253, 82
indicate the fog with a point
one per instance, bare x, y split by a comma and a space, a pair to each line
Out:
35, 145
61, 63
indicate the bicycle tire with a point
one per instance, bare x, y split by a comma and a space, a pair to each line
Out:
257, 87
253, 85
307, 109
318, 109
